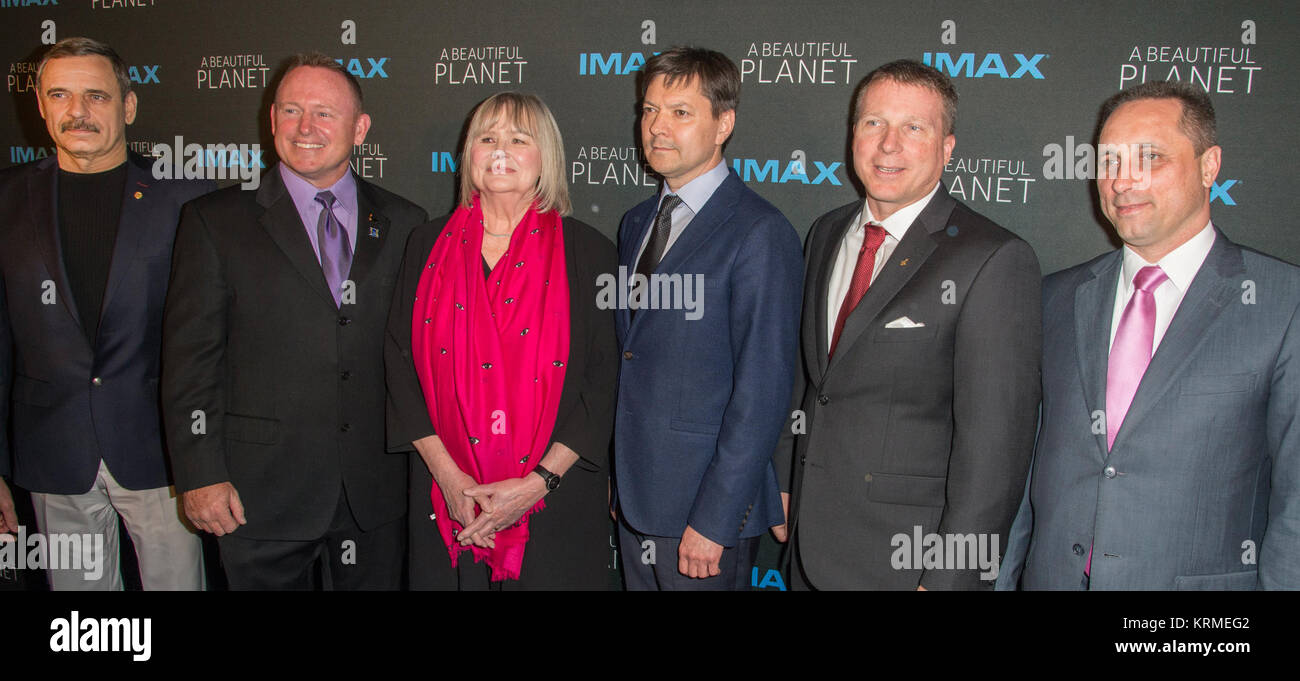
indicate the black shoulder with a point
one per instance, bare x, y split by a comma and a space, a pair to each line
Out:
395, 207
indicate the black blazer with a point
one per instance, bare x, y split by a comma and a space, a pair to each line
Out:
75, 402
266, 383
585, 420
930, 426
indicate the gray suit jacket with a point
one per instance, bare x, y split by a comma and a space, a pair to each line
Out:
1202, 487
929, 427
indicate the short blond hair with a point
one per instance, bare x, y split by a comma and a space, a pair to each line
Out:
528, 113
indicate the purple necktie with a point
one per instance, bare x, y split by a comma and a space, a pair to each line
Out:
1130, 354
335, 251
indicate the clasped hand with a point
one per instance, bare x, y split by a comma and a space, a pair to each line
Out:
500, 504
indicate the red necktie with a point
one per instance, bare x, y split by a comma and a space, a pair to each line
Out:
861, 279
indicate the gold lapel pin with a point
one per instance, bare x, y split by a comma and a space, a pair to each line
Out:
139, 195
904, 261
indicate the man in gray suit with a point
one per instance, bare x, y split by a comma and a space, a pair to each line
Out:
1168, 454
918, 365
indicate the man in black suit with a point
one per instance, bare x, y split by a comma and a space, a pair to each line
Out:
85, 244
919, 366
273, 369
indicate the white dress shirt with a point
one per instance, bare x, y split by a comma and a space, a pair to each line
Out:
846, 259
1180, 266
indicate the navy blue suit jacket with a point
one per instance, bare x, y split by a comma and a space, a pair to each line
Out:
701, 402
75, 402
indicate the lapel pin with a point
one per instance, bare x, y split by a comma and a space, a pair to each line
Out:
139, 195
374, 232
904, 261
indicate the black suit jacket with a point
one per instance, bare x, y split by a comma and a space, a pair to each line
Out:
74, 402
928, 427
268, 385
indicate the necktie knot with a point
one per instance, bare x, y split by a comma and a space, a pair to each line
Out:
669, 204
326, 198
875, 236
1149, 278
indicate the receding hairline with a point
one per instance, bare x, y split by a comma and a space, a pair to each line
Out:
357, 101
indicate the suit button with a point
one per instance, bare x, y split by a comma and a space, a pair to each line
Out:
1109, 472
1078, 550
803, 458
628, 355
823, 400
345, 427
97, 381
345, 374
344, 321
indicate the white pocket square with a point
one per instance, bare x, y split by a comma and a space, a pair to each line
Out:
904, 323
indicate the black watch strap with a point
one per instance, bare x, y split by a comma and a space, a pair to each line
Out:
552, 480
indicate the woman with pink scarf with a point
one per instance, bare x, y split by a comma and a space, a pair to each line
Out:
501, 370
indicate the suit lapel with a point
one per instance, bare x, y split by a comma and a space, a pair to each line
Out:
131, 227
1210, 292
281, 221
43, 189
638, 221
715, 212
904, 262
825, 255
372, 231
1094, 304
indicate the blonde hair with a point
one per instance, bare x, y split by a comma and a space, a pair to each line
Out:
530, 114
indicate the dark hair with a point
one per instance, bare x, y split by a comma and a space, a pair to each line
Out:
1197, 121
322, 61
87, 47
912, 72
718, 77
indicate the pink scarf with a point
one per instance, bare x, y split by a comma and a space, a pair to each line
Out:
491, 356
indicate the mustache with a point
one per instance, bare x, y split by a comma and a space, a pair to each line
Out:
79, 124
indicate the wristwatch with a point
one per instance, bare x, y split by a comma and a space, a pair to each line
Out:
552, 480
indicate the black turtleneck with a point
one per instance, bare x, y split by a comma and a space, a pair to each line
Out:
90, 206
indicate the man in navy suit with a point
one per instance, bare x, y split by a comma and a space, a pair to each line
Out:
1168, 452
706, 371
85, 248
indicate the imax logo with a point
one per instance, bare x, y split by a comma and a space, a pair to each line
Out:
150, 74
596, 63
1219, 192
444, 162
753, 170
28, 3
992, 65
376, 67
25, 154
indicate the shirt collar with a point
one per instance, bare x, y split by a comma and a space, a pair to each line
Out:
1180, 264
697, 192
304, 193
896, 225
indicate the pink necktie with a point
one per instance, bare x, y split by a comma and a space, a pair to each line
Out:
1131, 352
1130, 355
